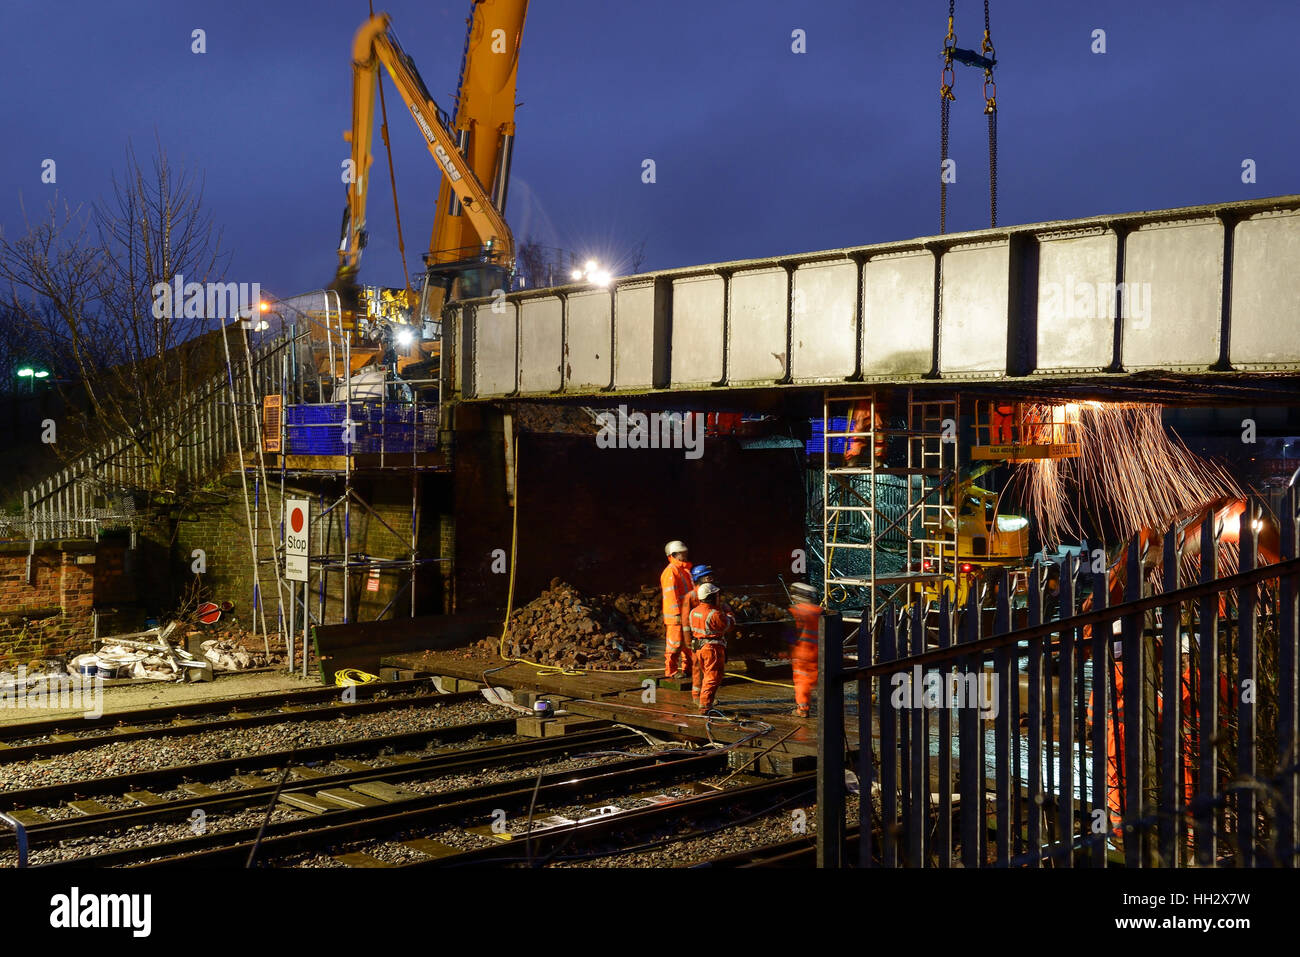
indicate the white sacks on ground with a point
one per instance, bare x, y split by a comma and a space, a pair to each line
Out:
227, 655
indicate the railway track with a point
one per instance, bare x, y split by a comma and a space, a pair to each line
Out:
309, 788
798, 852
470, 793
22, 742
406, 810
685, 819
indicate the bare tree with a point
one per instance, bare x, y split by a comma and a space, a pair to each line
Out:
637, 258
531, 257
81, 284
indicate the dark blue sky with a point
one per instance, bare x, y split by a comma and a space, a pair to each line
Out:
759, 151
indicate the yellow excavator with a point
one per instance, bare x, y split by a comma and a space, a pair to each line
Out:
471, 249
986, 539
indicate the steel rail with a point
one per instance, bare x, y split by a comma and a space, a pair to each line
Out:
600, 828
323, 712
474, 803
500, 756
69, 723
213, 770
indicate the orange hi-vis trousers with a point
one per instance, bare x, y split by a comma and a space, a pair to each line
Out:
677, 653
805, 680
711, 663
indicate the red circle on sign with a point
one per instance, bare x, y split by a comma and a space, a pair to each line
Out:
296, 520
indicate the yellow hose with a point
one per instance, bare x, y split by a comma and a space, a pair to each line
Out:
353, 676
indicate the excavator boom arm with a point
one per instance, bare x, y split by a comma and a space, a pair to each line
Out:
375, 44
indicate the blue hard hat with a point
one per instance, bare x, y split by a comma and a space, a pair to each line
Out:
699, 571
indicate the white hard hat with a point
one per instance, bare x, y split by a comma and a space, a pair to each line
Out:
803, 590
705, 592
674, 547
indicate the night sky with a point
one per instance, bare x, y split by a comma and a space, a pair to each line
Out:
759, 150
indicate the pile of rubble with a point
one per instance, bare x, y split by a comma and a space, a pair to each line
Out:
227, 654
746, 609
231, 647
566, 628
645, 609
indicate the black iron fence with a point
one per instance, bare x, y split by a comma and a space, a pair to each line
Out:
1145, 715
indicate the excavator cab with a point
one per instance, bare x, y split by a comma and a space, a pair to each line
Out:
481, 282
984, 535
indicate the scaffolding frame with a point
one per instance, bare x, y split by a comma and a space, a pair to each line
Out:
854, 490
327, 337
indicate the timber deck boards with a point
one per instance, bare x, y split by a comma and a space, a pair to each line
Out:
617, 696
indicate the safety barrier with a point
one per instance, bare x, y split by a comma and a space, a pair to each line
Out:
1159, 731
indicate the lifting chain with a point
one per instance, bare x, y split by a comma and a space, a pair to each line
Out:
946, 81
991, 110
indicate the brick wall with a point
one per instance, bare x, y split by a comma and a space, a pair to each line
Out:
221, 531
51, 616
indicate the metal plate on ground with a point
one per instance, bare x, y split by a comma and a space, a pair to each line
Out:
433, 848
361, 859
485, 830
88, 807
348, 797
651, 800
29, 818
198, 790
145, 797
306, 802
554, 820
385, 791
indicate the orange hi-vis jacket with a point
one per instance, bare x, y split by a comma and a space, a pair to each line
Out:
675, 582
691, 600
710, 624
807, 617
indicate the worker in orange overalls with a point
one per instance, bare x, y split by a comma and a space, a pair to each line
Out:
859, 418
1003, 419
699, 575
709, 625
1115, 786
675, 582
803, 646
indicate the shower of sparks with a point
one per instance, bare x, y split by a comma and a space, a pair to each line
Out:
1131, 474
